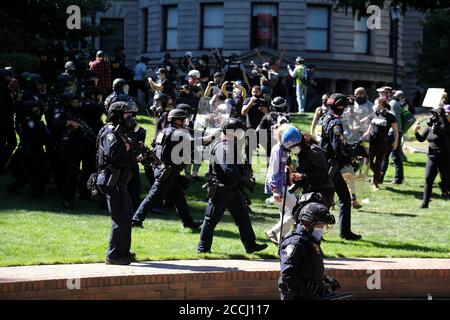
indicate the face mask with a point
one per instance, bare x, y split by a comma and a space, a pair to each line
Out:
295, 150
361, 100
317, 234
338, 111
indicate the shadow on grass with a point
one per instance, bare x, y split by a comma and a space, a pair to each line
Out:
415, 194
400, 214
394, 246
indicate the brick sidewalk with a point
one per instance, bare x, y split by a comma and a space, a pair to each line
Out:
64, 271
208, 279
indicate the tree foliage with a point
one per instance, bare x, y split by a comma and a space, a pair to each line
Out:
433, 59
31, 25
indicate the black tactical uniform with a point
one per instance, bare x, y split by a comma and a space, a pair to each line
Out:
335, 151
301, 258
31, 163
8, 140
438, 135
167, 177
226, 177
115, 160
76, 146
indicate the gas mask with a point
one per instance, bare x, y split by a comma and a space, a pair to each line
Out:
338, 110
130, 122
157, 107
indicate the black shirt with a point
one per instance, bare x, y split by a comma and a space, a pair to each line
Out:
255, 115
381, 123
438, 138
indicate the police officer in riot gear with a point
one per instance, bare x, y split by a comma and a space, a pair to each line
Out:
167, 176
137, 135
76, 141
226, 172
8, 140
30, 157
335, 151
115, 160
301, 257
120, 86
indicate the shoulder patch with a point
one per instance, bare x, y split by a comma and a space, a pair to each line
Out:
290, 250
110, 137
337, 130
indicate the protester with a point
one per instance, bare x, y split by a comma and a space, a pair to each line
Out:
437, 134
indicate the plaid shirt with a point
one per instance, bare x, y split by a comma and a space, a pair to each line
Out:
103, 73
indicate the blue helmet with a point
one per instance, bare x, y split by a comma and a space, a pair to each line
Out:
291, 137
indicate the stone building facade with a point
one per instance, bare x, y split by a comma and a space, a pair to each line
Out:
345, 52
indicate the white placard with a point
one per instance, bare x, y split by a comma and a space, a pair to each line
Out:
433, 97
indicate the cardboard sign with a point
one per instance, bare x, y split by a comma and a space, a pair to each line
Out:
433, 97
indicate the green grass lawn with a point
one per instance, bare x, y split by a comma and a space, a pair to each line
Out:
391, 223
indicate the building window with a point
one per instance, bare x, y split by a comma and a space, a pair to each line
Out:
212, 26
170, 28
264, 25
145, 28
318, 28
362, 36
114, 38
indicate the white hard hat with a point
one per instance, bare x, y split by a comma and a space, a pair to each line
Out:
194, 74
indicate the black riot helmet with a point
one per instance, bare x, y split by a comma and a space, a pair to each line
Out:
162, 98
234, 127
37, 83
65, 79
70, 67
127, 98
160, 101
279, 104
337, 102
70, 100
119, 84
118, 109
315, 213
25, 80
185, 107
177, 114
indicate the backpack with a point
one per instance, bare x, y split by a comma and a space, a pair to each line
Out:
408, 119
